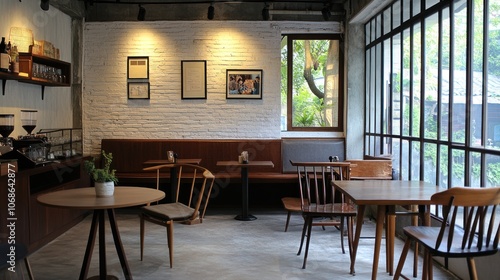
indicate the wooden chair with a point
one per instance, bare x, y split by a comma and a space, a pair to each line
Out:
479, 235
21, 253
190, 203
317, 198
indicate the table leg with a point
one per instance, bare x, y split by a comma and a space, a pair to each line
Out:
90, 247
357, 235
102, 247
390, 236
381, 210
244, 216
119, 245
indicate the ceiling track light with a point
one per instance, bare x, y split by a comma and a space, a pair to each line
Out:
265, 12
211, 12
142, 13
44, 4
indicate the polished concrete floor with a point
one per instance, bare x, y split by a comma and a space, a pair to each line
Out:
219, 248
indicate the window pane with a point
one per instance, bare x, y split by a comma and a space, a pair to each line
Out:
443, 166
430, 3
415, 161
493, 83
396, 85
405, 77
475, 167
405, 156
459, 77
387, 20
431, 58
386, 91
445, 75
416, 76
316, 84
457, 168
492, 171
284, 82
416, 7
430, 160
396, 14
405, 6
477, 76
377, 89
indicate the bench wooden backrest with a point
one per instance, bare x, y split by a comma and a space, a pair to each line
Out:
130, 154
371, 169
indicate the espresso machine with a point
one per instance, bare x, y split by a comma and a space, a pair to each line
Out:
29, 150
6, 128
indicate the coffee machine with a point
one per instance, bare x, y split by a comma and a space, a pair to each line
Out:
6, 128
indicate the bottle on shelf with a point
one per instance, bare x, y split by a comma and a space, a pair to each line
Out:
4, 57
14, 58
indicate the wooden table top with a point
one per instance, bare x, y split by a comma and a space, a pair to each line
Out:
267, 163
85, 198
387, 192
179, 160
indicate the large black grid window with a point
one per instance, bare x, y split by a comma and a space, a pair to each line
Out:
433, 90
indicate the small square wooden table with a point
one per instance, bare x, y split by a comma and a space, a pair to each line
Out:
385, 194
245, 215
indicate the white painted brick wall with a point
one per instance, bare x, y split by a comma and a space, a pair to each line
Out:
224, 45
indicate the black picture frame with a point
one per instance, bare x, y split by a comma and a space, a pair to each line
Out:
244, 84
138, 90
138, 67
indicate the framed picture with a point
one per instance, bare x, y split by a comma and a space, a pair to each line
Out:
138, 67
194, 79
138, 90
244, 84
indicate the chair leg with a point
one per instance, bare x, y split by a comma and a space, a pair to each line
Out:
309, 226
304, 230
402, 259
472, 268
170, 240
142, 235
342, 234
287, 220
28, 268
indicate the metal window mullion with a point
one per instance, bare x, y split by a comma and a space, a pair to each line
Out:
450, 92
484, 112
422, 97
468, 92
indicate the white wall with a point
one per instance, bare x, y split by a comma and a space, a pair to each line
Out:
107, 112
55, 111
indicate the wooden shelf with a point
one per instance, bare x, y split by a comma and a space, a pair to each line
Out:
27, 74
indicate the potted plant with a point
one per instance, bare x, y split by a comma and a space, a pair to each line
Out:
104, 178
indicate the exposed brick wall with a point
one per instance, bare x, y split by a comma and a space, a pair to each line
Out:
224, 45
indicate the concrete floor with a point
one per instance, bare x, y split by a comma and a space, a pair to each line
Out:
220, 248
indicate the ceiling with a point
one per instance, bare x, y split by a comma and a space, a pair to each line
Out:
246, 10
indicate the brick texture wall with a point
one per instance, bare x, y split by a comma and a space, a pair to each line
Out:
224, 45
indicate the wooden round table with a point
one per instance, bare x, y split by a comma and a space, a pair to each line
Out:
85, 198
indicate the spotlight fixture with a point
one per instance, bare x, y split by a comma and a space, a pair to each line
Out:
142, 13
326, 12
265, 12
44, 4
211, 12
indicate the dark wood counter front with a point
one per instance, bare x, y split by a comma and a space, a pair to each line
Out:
29, 222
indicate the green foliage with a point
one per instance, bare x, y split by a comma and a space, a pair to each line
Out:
104, 174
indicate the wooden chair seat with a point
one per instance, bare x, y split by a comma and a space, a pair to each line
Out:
166, 212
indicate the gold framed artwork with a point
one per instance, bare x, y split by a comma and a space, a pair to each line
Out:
194, 79
138, 67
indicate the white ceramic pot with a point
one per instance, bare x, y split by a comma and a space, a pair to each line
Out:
104, 189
